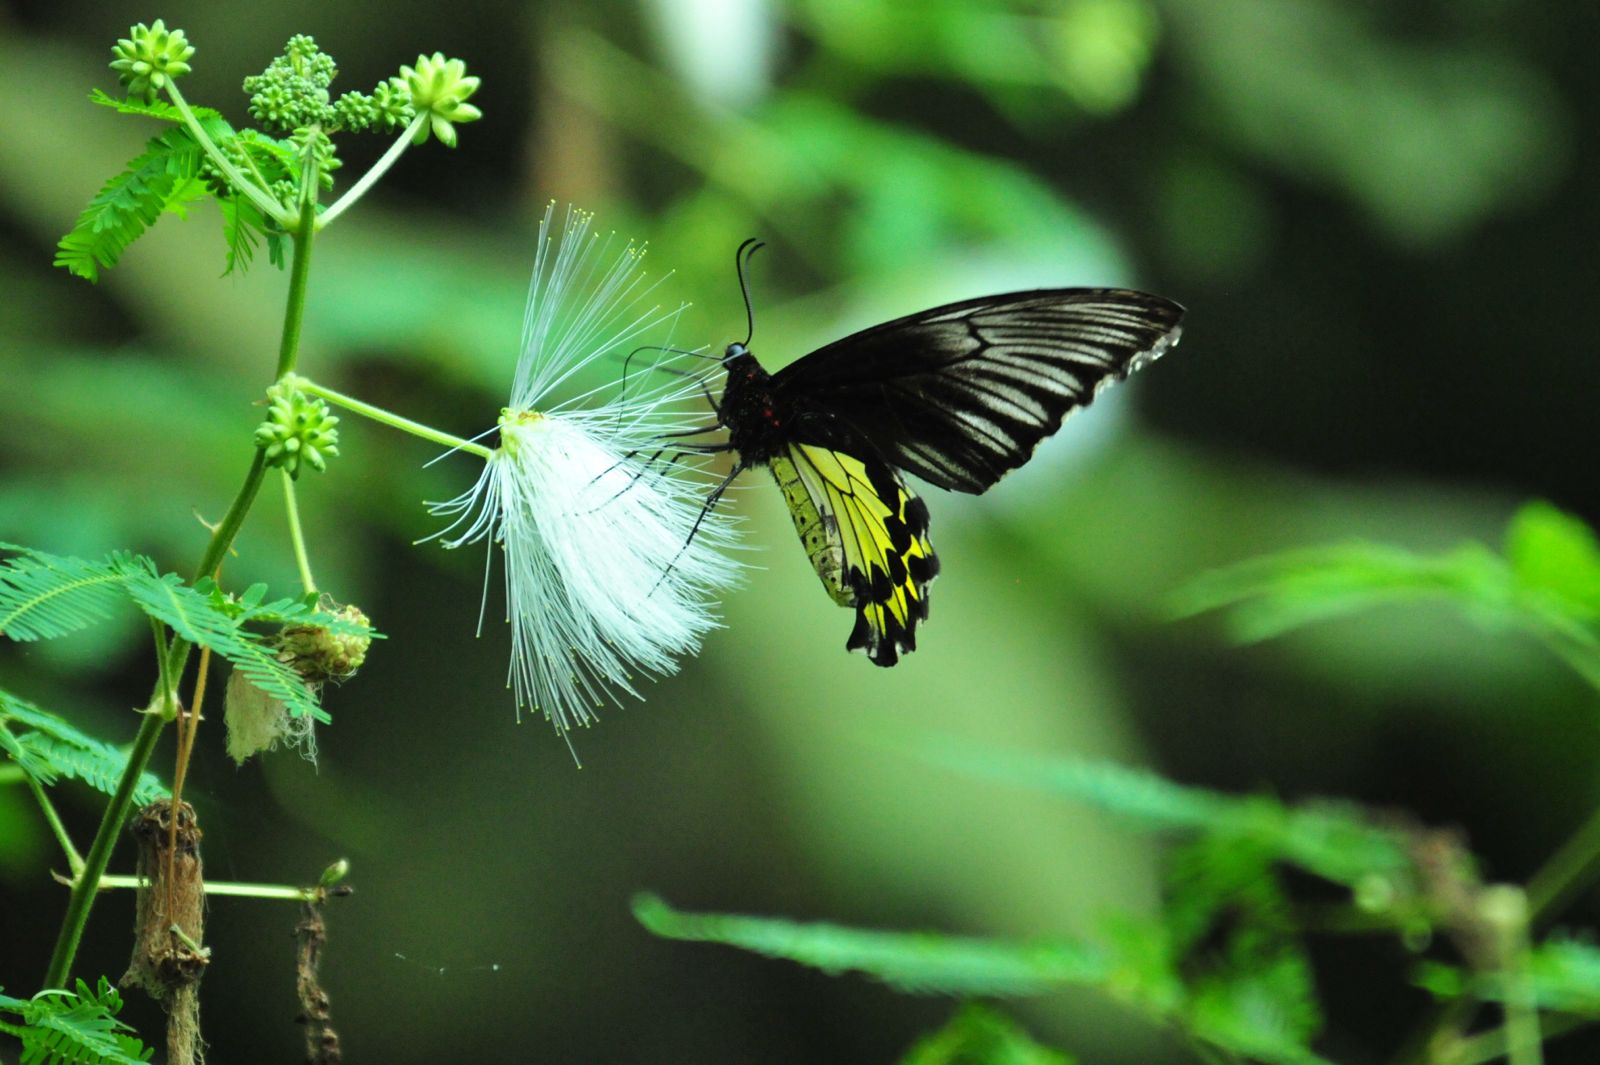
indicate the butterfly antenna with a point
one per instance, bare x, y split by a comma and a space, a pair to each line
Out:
741, 259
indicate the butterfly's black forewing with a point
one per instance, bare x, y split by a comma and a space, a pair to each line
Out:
963, 393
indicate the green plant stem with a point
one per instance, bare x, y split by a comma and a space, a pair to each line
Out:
1492, 1045
359, 189
74, 859
297, 536
94, 865
294, 310
213, 887
162, 706
236, 178
10, 774
1566, 873
394, 421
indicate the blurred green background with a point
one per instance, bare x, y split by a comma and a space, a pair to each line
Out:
1381, 217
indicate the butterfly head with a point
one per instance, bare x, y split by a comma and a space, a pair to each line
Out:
735, 354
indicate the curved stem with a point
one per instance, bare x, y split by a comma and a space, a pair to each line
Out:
94, 863
359, 189
74, 859
236, 177
392, 420
297, 536
294, 310
1566, 873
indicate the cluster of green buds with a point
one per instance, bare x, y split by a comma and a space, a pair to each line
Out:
321, 654
150, 57
439, 87
293, 91
298, 431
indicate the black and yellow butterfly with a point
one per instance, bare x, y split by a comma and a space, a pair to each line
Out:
958, 395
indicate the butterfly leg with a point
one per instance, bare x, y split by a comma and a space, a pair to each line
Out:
710, 505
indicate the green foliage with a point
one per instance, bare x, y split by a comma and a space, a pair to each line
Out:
1566, 979
194, 616
1547, 584
165, 177
1336, 841
259, 182
978, 1035
53, 747
1222, 963
926, 963
43, 596
73, 1028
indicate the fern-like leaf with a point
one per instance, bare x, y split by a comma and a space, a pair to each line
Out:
978, 1035
55, 748
157, 108
158, 180
97, 764
13, 748
920, 963
74, 1028
43, 596
1332, 840
195, 617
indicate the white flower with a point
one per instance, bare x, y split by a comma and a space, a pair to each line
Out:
602, 578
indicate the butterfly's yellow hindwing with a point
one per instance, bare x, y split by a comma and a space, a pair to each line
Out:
818, 529
866, 534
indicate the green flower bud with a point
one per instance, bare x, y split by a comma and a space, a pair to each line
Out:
150, 57
392, 105
439, 87
293, 91
298, 431
319, 654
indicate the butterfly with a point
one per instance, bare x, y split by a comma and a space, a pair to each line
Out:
958, 395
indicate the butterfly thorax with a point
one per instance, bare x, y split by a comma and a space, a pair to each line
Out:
750, 409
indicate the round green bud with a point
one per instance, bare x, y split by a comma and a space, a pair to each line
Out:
150, 57
439, 88
298, 431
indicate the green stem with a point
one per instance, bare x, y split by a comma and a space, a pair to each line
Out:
297, 536
94, 865
394, 421
294, 310
1567, 872
1492, 1045
10, 774
213, 887
236, 178
1505, 909
162, 706
359, 189
74, 859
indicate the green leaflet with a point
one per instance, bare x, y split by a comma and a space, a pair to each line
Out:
195, 617
1332, 840
978, 1035
54, 748
43, 596
73, 1027
921, 963
1548, 585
